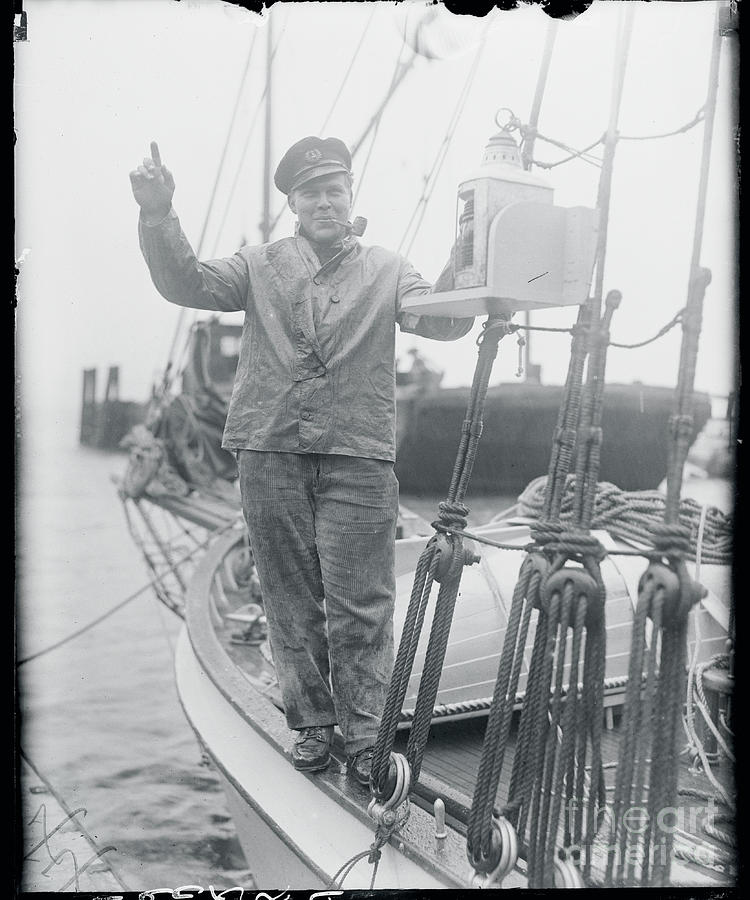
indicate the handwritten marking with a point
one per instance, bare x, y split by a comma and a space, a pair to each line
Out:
47, 835
537, 276
85, 866
57, 859
177, 893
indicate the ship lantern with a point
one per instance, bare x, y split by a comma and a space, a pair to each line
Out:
515, 250
499, 181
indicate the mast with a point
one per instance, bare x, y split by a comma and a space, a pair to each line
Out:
527, 148
265, 226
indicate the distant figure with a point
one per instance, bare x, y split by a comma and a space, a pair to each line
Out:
419, 372
312, 421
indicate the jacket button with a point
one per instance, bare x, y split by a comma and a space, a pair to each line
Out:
334, 298
305, 415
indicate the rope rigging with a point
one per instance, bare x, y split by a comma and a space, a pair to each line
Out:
666, 596
400, 70
442, 560
398, 73
430, 180
675, 320
529, 133
527, 141
559, 757
238, 171
170, 368
345, 79
631, 515
553, 737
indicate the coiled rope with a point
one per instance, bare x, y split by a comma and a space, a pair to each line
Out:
631, 515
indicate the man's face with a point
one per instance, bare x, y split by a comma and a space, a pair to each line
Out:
318, 202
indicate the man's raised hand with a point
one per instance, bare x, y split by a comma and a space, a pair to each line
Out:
153, 186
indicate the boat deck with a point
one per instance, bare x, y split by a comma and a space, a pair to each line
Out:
453, 754
244, 675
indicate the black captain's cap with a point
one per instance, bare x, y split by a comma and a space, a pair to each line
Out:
310, 158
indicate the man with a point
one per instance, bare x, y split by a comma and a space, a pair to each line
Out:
312, 421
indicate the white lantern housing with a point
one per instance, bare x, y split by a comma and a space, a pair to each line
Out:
514, 249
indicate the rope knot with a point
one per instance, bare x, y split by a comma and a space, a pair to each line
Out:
544, 531
494, 328
577, 543
453, 514
671, 540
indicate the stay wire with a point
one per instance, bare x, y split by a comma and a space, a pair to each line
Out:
398, 76
240, 165
431, 178
345, 79
676, 320
696, 120
527, 145
401, 68
177, 365
110, 612
226, 144
584, 153
212, 198
366, 162
375, 125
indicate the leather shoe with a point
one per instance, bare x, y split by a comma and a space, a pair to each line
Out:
359, 765
312, 749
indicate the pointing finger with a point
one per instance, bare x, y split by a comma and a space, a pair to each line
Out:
155, 155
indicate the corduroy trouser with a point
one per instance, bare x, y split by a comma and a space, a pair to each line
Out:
322, 530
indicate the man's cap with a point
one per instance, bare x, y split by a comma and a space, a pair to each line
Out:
310, 158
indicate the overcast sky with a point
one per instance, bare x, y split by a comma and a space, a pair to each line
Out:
97, 81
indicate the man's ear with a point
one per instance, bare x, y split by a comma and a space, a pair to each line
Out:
292, 204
